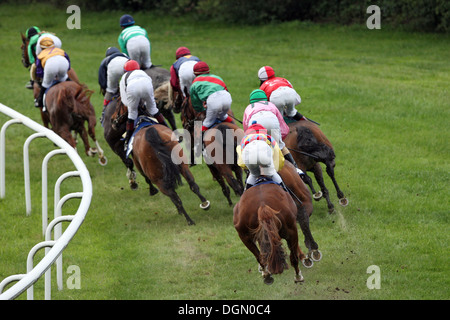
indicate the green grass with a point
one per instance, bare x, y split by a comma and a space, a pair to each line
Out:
381, 97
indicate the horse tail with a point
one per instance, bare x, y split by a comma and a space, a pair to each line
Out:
307, 142
171, 172
272, 253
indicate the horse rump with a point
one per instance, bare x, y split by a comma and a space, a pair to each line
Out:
171, 172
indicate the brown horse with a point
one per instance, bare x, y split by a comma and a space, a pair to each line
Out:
264, 215
36, 86
309, 146
68, 107
302, 198
220, 143
221, 158
154, 158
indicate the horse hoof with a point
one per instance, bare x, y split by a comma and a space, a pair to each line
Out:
268, 280
299, 278
205, 205
318, 195
92, 152
343, 202
315, 255
103, 161
307, 263
134, 185
153, 191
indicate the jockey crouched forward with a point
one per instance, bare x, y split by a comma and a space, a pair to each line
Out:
137, 86
52, 64
260, 154
209, 92
267, 114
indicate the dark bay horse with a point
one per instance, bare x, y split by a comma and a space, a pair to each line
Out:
220, 143
303, 200
113, 129
69, 107
153, 156
264, 215
309, 147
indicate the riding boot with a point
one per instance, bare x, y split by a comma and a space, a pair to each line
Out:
298, 116
39, 102
29, 85
248, 185
289, 158
159, 116
130, 129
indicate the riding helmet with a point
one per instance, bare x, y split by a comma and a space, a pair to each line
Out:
126, 20
257, 95
265, 73
201, 68
111, 50
32, 31
131, 65
182, 51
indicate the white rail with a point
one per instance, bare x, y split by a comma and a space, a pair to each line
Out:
54, 248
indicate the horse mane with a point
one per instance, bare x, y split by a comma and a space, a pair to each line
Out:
272, 253
308, 143
171, 172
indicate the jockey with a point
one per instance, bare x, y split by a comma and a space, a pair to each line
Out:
259, 152
32, 35
136, 85
280, 92
182, 70
267, 114
52, 64
134, 42
209, 92
110, 72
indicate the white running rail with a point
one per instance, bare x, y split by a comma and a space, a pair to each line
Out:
53, 248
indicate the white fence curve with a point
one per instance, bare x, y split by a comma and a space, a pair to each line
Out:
55, 247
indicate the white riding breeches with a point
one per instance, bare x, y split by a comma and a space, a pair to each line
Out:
286, 98
217, 106
139, 49
114, 73
140, 89
258, 157
269, 121
186, 75
55, 68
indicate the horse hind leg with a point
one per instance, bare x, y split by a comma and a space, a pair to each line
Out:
205, 205
319, 178
178, 204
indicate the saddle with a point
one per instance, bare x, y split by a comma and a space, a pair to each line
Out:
141, 122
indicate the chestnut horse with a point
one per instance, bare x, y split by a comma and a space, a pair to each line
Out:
264, 215
68, 106
309, 146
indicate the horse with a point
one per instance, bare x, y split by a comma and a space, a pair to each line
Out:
309, 147
113, 129
264, 215
302, 198
152, 150
220, 155
68, 106
220, 143
36, 85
